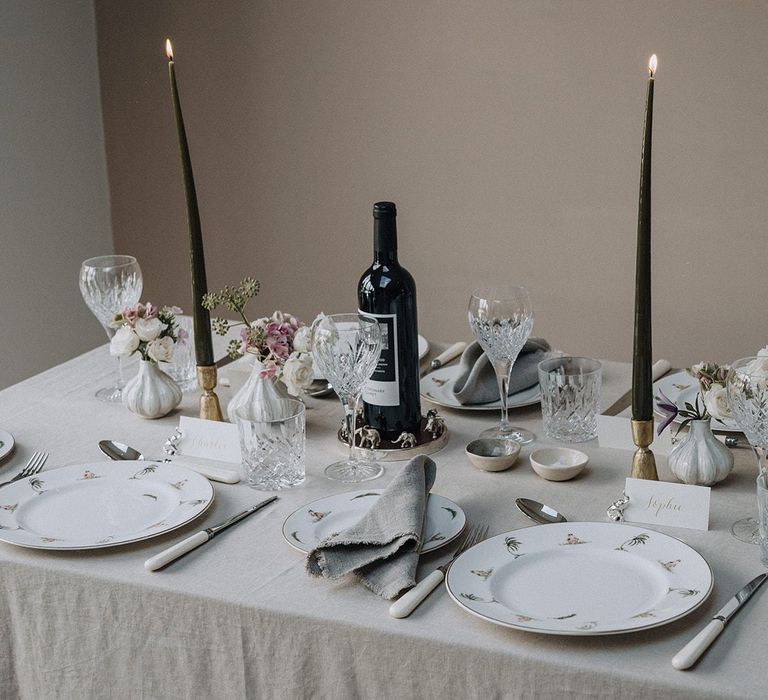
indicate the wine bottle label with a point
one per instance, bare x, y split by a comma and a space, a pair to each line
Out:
383, 388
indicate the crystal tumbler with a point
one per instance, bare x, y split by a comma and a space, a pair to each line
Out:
272, 448
570, 397
183, 367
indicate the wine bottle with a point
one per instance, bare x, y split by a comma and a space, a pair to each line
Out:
387, 293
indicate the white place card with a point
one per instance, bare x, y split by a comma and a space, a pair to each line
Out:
664, 503
615, 433
208, 439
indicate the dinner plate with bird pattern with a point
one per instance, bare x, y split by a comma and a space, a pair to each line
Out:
102, 504
580, 579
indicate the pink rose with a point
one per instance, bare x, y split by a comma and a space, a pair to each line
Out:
269, 371
130, 314
278, 347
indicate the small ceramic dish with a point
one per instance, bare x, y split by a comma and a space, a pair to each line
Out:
558, 463
493, 455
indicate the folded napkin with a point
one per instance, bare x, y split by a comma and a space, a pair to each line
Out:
477, 383
383, 547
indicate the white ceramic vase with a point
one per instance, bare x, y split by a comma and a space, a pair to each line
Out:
700, 458
151, 393
256, 399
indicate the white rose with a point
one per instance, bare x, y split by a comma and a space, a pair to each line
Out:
124, 341
149, 328
298, 373
160, 349
302, 340
716, 402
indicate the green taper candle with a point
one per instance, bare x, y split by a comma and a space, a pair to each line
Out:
642, 359
200, 316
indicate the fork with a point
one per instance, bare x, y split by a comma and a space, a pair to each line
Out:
32, 467
405, 605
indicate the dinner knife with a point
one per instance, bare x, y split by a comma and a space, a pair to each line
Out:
690, 653
187, 545
659, 369
445, 357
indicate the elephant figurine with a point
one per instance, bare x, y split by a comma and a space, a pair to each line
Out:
405, 440
435, 424
368, 437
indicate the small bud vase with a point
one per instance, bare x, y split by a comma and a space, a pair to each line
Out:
256, 399
699, 457
151, 393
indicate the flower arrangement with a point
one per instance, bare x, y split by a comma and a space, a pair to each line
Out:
280, 342
145, 329
710, 402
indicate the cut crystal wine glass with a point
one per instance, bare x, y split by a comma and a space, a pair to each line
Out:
108, 284
502, 320
747, 389
346, 348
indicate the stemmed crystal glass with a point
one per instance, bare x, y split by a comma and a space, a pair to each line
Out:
108, 284
346, 348
747, 388
502, 320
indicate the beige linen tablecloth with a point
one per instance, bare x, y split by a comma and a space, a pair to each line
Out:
241, 618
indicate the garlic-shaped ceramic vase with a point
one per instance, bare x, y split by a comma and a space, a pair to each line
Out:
151, 393
700, 458
260, 398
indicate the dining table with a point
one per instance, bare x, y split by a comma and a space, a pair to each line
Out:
241, 617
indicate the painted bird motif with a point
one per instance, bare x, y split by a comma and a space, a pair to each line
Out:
669, 565
572, 539
482, 573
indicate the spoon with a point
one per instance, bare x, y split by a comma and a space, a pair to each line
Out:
118, 451
538, 512
319, 388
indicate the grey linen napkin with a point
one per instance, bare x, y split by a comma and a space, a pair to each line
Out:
477, 383
383, 547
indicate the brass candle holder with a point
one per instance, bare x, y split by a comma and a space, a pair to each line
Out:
643, 461
210, 409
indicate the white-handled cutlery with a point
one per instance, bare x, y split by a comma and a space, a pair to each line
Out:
119, 451
658, 370
690, 653
450, 353
408, 602
193, 541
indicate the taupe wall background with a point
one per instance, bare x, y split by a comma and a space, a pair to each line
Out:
507, 132
54, 200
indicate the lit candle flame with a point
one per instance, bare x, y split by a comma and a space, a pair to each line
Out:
652, 65
169, 50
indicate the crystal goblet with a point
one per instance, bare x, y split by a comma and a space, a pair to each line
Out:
502, 320
747, 391
346, 348
108, 284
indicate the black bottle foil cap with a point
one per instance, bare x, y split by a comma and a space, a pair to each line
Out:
384, 210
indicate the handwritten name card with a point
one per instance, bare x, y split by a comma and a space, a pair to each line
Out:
663, 503
209, 439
